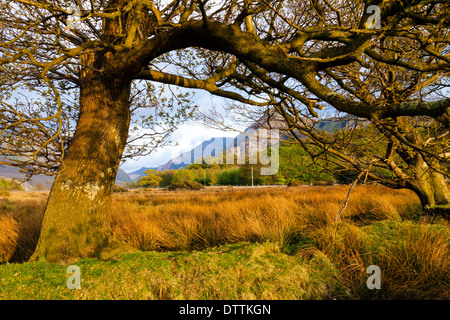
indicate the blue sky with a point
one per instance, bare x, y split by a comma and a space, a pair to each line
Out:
185, 137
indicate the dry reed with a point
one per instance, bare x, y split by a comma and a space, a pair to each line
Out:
379, 226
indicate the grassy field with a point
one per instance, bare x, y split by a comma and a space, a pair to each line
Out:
232, 243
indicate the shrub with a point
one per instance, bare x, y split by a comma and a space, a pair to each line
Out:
187, 185
4, 193
9, 185
294, 183
193, 185
118, 189
178, 186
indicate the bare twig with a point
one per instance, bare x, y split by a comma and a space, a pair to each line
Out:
338, 217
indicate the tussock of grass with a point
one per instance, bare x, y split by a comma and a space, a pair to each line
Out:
198, 220
414, 258
271, 243
9, 234
238, 271
25, 214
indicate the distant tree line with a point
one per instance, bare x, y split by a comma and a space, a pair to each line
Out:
295, 167
10, 185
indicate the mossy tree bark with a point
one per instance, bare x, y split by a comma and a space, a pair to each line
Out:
430, 185
76, 219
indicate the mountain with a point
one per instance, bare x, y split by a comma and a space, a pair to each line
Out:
211, 147
122, 177
242, 143
40, 182
44, 182
136, 174
208, 148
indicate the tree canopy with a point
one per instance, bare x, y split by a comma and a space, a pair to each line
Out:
75, 72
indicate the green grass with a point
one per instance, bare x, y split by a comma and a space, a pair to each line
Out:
243, 245
331, 263
236, 271
414, 258
442, 206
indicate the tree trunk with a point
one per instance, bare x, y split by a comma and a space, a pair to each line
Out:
76, 219
429, 185
432, 190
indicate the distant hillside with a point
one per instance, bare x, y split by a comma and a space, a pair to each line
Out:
122, 177
210, 147
240, 144
45, 182
136, 174
37, 182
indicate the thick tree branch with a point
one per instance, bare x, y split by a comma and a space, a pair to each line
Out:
208, 85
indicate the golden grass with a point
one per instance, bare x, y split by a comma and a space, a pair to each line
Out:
9, 233
162, 220
380, 226
21, 217
196, 220
414, 258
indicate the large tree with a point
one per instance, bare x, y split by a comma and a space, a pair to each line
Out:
96, 50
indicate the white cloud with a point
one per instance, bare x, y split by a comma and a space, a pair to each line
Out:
186, 136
